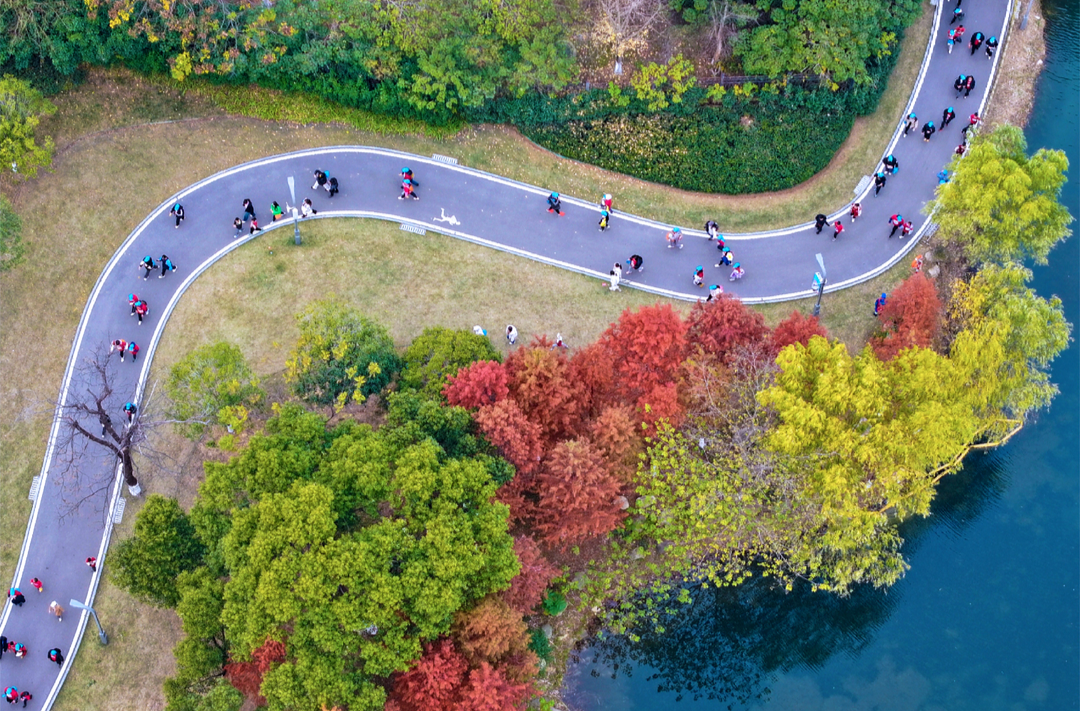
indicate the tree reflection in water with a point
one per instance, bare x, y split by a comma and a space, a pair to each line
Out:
731, 642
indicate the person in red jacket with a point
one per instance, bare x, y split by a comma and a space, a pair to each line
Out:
856, 210
119, 345
905, 229
133, 349
896, 221
838, 227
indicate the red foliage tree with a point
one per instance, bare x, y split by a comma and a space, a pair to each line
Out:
434, 683
660, 403
796, 328
528, 586
490, 632
911, 317
616, 433
645, 348
513, 435
247, 677
593, 368
577, 495
720, 326
478, 384
488, 689
543, 387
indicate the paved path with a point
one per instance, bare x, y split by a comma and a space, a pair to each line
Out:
467, 204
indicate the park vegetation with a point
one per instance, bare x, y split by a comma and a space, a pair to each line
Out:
412, 564
554, 68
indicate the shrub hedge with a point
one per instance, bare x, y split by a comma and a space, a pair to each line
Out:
743, 142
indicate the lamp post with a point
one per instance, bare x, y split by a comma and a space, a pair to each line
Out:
101, 633
295, 214
819, 280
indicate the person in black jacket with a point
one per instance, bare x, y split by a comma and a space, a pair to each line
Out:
968, 86
975, 42
820, 221
928, 130
991, 45
177, 211
555, 204
959, 84
879, 183
890, 164
947, 116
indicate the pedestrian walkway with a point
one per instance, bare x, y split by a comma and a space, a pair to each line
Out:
465, 204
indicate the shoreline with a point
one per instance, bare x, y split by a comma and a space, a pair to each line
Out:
1022, 61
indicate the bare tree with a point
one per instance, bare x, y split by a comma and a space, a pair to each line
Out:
94, 417
624, 25
725, 17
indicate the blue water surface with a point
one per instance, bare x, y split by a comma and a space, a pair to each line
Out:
988, 617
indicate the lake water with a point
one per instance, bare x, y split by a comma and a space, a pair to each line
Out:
988, 617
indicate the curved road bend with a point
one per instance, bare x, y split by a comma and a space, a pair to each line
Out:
467, 204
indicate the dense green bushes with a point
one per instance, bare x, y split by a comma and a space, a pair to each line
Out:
745, 141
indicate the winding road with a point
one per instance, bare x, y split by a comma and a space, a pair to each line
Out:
463, 203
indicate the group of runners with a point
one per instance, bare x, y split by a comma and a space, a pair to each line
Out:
15, 596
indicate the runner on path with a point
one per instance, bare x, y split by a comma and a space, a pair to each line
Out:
407, 190
38, 585
16, 597
951, 41
959, 84
276, 213
838, 227
555, 204
177, 211
975, 42
890, 164
896, 221
712, 229
969, 85
905, 229
24, 697
674, 237
947, 116
141, 309
909, 123
166, 266
57, 610
332, 187
307, 209
856, 210
635, 262
253, 226
960, 149
118, 344
991, 45
820, 221
133, 349
91, 562
927, 131
239, 225
147, 264
130, 409
604, 215
879, 182
726, 258
320, 180
957, 15
56, 656
737, 272
249, 210
699, 276
605, 203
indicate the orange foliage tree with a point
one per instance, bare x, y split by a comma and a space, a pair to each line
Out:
491, 632
616, 435
720, 326
577, 495
645, 348
911, 317
513, 435
542, 385
796, 328
527, 588
478, 384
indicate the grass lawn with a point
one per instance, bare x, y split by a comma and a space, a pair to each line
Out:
116, 161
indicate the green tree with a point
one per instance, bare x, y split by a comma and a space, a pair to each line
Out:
1001, 205
438, 354
1010, 335
211, 385
21, 107
164, 545
12, 250
831, 38
201, 654
341, 356
660, 85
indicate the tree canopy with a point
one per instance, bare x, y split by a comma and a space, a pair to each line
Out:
21, 109
1000, 204
341, 355
438, 354
164, 546
212, 384
349, 546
